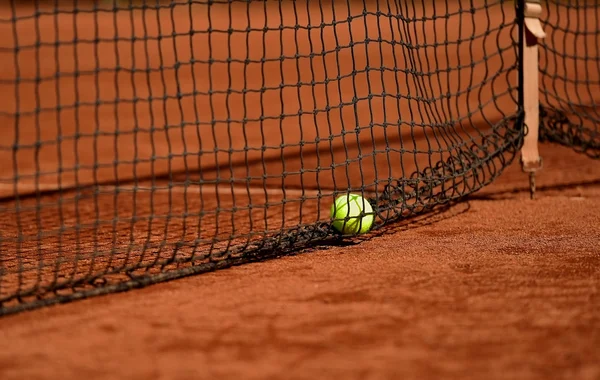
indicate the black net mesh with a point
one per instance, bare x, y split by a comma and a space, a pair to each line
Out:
570, 67
144, 141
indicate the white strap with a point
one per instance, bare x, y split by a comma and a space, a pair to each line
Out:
530, 156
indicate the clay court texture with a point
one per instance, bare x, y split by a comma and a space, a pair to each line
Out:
225, 138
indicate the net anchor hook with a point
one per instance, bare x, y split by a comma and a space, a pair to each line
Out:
532, 168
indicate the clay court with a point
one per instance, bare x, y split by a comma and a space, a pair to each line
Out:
156, 184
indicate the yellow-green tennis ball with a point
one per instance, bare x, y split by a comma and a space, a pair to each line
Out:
352, 214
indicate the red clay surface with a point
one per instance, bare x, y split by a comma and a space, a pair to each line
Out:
497, 287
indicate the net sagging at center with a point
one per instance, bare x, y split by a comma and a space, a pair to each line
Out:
143, 141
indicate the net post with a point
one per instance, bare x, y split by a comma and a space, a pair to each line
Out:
531, 32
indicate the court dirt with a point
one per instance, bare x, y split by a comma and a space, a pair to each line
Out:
496, 287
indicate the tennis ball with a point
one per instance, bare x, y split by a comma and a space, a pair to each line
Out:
352, 214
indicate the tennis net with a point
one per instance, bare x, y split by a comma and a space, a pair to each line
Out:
145, 140
570, 69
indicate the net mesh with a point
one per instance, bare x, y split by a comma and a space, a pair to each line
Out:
570, 81
144, 141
